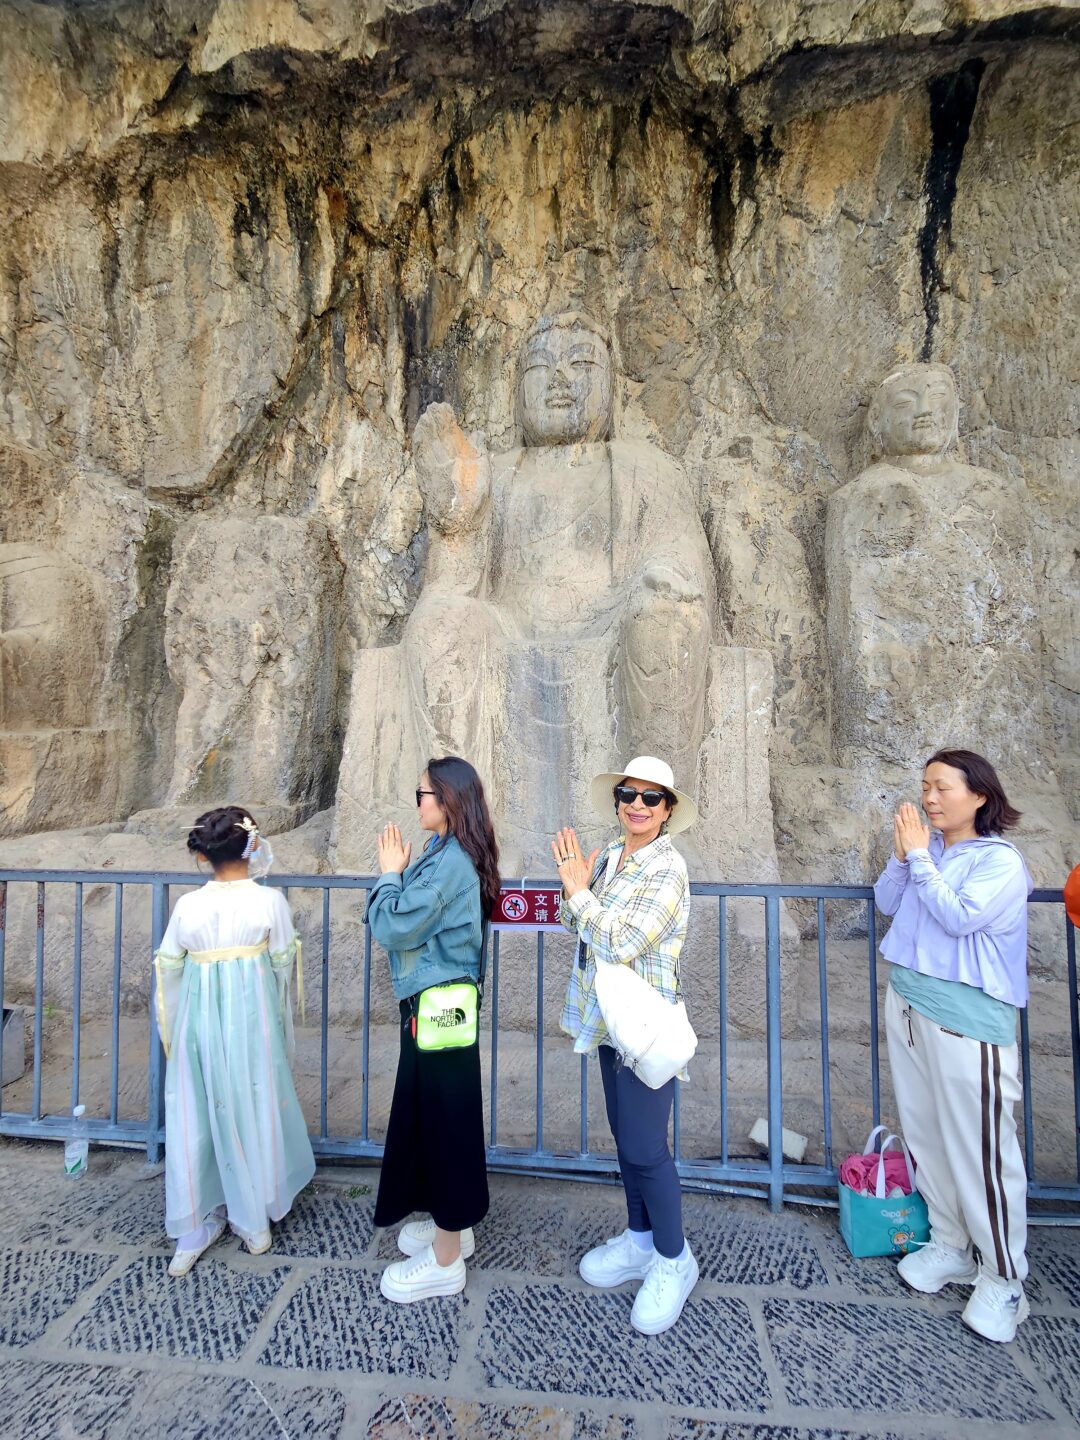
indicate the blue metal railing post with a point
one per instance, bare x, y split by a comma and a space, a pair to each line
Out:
76, 996
494, 1092
823, 1010
39, 995
773, 1033
875, 1060
155, 1120
118, 955
722, 947
1074, 1029
324, 1019
3, 946
540, 1040
365, 1056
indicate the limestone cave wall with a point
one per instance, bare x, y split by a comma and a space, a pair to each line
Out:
248, 243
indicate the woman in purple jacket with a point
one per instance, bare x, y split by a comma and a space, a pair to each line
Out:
958, 947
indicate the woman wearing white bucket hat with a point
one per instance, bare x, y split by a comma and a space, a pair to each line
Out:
629, 905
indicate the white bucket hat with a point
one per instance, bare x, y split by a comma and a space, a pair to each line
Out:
658, 773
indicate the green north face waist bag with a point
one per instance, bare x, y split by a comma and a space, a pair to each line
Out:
447, 1017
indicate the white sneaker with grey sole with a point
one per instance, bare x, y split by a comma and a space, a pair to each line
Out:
664, 1291
996, 1308
616, 1260
933, 1266
422, 1278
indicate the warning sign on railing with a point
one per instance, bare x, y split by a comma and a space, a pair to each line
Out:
527, 910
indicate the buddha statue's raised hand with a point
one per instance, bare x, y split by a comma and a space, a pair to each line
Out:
454, 477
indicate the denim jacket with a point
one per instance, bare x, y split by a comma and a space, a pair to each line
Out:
428, 919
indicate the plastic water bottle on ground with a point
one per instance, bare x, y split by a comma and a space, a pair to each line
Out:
77, 1149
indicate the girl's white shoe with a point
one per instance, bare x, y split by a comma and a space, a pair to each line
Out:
210, 1231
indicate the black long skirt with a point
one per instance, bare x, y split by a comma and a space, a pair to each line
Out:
434, 1160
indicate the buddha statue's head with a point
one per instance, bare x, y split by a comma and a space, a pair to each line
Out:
565, 382
915, 411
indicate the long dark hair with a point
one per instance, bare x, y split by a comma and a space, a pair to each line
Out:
996, 815
460, 792
221, 834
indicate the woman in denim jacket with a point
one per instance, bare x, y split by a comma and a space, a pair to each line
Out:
429, 915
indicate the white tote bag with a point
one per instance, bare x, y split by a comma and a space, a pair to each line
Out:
653, 1036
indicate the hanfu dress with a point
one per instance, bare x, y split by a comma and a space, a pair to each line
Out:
234, 1131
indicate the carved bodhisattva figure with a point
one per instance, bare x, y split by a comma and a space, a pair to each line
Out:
569, 599
932, 611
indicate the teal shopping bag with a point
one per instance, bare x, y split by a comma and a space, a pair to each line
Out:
875, 1225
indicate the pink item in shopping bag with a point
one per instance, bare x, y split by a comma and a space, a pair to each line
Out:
861, 1172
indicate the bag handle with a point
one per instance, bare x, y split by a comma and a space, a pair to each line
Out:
879, 1184
869, 1148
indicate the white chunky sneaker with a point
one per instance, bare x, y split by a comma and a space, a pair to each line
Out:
614, 1261
659, 1302
417, 1234
210, 1231
996, 1308
933, 1266
422, 1277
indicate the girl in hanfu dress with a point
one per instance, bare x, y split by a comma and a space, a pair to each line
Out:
236, 1145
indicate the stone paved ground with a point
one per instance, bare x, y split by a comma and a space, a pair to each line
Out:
785, 1338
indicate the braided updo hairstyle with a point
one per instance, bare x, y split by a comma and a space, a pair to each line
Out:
220, 834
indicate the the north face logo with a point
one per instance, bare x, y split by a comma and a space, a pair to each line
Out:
446, 1019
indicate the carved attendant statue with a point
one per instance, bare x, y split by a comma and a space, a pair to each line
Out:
932, 610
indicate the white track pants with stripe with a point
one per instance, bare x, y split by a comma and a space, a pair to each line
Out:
955, 1098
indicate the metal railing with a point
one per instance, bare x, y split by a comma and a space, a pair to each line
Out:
770, 1178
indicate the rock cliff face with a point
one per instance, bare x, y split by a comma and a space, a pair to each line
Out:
250, 241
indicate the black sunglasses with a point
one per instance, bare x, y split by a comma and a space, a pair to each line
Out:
626, 795
423, 792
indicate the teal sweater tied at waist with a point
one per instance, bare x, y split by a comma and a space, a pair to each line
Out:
428, 918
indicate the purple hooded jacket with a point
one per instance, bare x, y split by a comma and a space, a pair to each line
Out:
961, 914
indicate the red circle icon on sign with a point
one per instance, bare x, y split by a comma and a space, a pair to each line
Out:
514, 906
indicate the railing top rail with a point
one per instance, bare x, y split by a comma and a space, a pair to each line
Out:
365, 882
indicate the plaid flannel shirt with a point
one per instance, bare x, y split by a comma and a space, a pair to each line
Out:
639, 918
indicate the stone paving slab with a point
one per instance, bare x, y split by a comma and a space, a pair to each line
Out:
1052, 1344
39, 1286
683, 1429
551, 1337
39, 1398
404, 1417
1054, 1257
785, 1338
337, 1320
859, 1357
71, 1207
137, 1219
44, 1401
209, 1314
326, 1225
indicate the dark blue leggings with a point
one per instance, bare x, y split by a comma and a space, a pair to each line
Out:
638, 1118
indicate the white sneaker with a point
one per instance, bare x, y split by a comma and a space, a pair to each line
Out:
418, 1234
258, 1244
421, 1278
183, 1260
933, 1266
616, 1260
996, 1308
659, 1302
